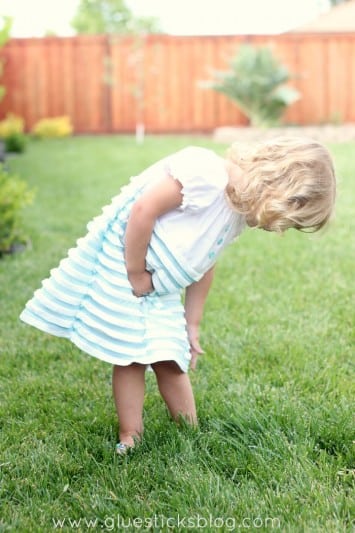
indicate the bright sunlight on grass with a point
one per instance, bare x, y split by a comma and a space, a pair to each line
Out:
274, 388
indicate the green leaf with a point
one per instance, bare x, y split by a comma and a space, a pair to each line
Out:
287, 95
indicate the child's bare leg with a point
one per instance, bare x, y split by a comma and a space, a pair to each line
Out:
175, 388
128, 393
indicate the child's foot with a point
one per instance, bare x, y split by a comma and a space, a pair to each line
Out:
122, 448
127, 443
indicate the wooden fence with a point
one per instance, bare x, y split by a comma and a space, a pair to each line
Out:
108, 84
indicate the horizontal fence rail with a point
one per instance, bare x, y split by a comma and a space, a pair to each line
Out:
109, 84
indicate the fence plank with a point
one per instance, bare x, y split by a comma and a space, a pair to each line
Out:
108, 84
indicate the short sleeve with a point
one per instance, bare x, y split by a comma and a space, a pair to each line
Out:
194, 168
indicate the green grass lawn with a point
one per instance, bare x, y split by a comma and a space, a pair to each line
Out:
274, 389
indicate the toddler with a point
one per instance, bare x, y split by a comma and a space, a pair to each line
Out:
117, 294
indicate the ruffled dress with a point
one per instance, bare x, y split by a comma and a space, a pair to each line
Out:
88, 298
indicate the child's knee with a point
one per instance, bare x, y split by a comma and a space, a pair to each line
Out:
166, 368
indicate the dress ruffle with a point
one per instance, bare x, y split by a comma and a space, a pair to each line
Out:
88, 298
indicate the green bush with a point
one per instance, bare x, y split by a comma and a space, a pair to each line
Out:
15, 142
4, 37
256, 82
14, 195
12, 133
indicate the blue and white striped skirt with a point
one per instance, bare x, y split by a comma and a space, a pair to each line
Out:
88, 298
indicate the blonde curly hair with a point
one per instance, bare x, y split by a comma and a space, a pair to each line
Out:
287, 182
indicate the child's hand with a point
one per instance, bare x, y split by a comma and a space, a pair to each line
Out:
141, 283
195, 348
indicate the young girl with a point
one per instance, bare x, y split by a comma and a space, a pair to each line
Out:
117, 295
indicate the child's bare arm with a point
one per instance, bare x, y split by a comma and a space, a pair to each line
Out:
159, 199
195, 298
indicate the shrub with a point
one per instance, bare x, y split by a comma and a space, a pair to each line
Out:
10, 125
14, 195
11, 131
15, 142
256, 82
53, 127
4, 37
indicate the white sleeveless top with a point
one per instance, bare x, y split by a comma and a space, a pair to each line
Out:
204, 224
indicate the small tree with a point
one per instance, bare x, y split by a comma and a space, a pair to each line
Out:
114, 17
110, 17
256, 82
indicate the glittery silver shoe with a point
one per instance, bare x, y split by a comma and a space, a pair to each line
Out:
122, 449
